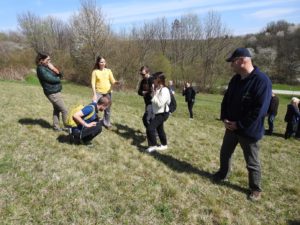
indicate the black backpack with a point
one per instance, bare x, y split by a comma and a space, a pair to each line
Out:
173, 104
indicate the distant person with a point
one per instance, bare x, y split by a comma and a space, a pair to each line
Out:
160, 100
144, 90
243, 109
50, 79
102, 81
189, 93
272, 113
292, 117
88, 124
171, 87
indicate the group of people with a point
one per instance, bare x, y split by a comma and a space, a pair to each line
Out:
87, 123
243, 109
292, 117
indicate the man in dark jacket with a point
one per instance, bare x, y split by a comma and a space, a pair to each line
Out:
189, 93
49, 77
243, 109
272, 112
144, 90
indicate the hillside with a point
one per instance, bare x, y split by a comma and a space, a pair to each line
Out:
46, 180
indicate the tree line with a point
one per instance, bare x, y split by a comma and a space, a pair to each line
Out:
189, 48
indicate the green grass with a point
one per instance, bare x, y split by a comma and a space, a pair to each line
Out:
286, 87
45, 180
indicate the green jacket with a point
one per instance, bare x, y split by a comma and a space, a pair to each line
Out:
49, 80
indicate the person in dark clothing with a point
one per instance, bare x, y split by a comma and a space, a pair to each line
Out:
88, 124
49, 77
243, 109
292, 117
272, 113
189, 93
145, 90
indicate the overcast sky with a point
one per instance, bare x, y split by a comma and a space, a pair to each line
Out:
240, 17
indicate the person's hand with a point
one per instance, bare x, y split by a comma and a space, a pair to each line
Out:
230, 125
92, 124
53, 68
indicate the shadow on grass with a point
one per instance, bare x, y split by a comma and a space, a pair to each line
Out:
41, 122
127, 132
65, 139
175, 164
275, 135
293, 222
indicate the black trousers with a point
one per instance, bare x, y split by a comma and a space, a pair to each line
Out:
87, 133
190, 107
157, 124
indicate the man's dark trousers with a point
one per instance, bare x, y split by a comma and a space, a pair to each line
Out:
251, 154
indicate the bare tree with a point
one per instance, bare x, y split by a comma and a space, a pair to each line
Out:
90, 33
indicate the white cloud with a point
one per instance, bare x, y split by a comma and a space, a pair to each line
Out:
273, 13
128, 13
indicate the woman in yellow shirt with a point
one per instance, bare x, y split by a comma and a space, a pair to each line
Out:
102, 81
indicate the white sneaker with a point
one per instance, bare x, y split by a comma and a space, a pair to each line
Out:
162, 147
151, 149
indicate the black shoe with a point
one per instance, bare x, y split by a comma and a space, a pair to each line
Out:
217, 178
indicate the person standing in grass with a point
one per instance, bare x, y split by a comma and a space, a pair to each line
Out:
292, 117
102, 81
189, 93
272, 112
243, 109
160, 100
50, 79
145, 91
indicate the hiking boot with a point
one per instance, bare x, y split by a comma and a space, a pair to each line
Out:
162, 147
151, 149
255, 196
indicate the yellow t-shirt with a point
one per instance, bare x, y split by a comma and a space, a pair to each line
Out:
102, 80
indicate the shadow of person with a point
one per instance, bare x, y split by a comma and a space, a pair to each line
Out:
293, 222
64, 139
185, 167
174, 164
136, 136
41, 122
277, 135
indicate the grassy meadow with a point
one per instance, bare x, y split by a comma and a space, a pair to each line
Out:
46, 180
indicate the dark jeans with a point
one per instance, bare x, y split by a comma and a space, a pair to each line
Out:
86, 134
271, 119
190, 107
157, 124
251, 154
148, 115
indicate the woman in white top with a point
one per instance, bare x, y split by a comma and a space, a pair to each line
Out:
160, 103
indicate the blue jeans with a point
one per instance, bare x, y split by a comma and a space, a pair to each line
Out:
271, 119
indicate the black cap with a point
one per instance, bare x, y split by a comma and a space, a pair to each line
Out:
239, 52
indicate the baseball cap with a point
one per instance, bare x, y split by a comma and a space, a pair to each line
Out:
239, 52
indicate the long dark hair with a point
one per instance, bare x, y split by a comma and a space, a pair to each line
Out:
96, 66
40, 56
161, 78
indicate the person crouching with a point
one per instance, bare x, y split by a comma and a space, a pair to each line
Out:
88, 123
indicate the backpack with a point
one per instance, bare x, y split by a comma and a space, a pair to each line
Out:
173, 104
70, 121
